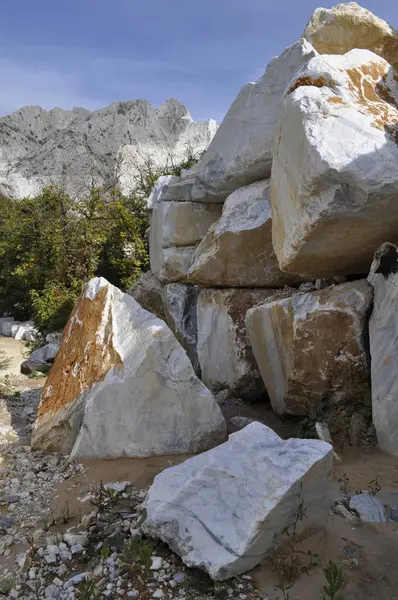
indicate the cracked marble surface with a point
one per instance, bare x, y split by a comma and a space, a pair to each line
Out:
223, 510
148, 402
334, 179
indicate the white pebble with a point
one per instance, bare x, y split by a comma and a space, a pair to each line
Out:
157, 563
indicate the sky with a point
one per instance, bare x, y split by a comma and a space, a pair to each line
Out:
90, 53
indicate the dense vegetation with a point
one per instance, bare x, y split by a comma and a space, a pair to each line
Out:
52, 244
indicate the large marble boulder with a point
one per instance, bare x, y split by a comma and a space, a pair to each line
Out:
40, 360
25, 330
347, 26
172, 264
225, 356
383, 335
180, 302
148, 291
237, 250
176, 229
175, 189
160, 190
181, 223
224, 510
334, 181
241, 150
311, 347
122, 385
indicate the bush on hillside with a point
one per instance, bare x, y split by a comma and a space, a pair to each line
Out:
51, 245
149, 172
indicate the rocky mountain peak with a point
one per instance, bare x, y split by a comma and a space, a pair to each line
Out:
73, 147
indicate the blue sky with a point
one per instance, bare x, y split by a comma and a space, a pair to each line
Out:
93, 52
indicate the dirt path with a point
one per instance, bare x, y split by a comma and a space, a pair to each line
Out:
11, 356
13, 386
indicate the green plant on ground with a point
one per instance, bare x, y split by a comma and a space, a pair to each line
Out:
335, 581
112, 495
31, 346
110, 516
105, 552
6, 386
288, 563
283, 587
36, 375
142, 518
374, 486
99, 500
137, 550
66, 516
102, 500
291, 532
369, 437
88, 590
198, 584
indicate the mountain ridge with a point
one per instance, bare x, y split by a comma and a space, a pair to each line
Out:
76, 147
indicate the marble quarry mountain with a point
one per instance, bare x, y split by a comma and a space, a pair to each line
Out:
273, 282
74, 148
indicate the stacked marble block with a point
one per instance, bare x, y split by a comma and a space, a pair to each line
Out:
261, 251
214, 265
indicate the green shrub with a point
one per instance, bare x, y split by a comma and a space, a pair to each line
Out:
52, 244
52, 306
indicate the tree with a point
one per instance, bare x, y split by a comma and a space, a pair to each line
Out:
52, 244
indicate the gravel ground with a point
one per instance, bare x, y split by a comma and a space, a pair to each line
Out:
105, 555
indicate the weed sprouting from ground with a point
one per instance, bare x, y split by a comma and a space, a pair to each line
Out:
136, 556
105, 552
335, 581
88, 591
374, 486
288, 563
66, 513
284, 589
137, 550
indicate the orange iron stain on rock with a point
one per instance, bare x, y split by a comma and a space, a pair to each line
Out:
308, 81
83, 359
373, 95
336, 100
